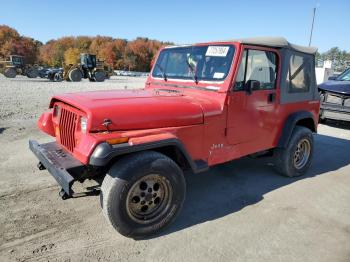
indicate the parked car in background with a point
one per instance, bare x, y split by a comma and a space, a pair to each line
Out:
335, 97
43, 72
55, 74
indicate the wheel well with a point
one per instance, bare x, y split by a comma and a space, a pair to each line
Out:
302, 118
170, 151
308, 123
175, 154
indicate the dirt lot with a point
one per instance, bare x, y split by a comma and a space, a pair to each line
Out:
241, 211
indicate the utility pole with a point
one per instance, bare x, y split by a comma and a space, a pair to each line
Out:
312, 25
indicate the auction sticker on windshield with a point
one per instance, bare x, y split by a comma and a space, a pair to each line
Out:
218, 75
217, 51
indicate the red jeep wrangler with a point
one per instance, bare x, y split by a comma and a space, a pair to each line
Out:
202, 105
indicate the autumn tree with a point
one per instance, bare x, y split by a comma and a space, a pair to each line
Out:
82, 43
120, 45
11, 43
140, 53
119, 53
98, 43
71, 56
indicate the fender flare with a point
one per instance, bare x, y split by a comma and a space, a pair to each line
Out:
104, 152
289, 125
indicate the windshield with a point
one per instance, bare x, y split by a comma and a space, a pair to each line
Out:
345, 76
17, 60
209, 63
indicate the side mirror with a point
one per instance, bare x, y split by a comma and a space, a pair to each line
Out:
252, 85
332, 78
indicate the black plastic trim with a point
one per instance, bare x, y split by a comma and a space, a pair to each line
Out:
290, 124
57, 161
105, 152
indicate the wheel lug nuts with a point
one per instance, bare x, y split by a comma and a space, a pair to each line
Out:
150, 190
143, 202
143, 194
150, 202
154, 195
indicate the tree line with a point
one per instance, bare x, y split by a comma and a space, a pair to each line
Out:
340, 58
119, 53
135, 55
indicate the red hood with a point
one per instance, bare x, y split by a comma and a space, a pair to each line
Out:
135, 109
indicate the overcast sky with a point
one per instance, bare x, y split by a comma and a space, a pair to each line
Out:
183, 21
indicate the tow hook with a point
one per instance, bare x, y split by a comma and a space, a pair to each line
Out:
41, 166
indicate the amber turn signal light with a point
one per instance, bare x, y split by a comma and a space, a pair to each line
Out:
119, 140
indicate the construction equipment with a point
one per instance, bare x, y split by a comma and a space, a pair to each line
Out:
88, 68
15, 65
106, 68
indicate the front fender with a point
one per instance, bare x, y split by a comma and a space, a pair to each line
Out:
45, 123
104, 152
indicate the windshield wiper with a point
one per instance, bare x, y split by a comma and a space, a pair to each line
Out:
195, 78
162, 72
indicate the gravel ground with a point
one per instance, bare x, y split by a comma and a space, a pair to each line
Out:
240, 211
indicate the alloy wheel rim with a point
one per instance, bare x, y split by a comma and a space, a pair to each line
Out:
149, 198
302, 153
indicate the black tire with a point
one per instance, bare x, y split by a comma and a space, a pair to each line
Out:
75, 75
99, 76
32, 73
57, 77
50, 76
10, 73
288, 161
131, 173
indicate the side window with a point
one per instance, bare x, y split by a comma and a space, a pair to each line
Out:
299, 74
257, 65
240, 82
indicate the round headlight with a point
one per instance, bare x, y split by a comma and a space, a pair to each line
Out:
83, 124
56, 111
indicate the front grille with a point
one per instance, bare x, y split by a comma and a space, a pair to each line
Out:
334, 99
67, 126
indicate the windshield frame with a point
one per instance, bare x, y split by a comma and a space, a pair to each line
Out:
190, 78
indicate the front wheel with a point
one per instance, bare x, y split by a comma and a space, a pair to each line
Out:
142, 193
75, 75
10, 72
295, 159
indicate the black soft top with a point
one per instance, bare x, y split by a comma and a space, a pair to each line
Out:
280, 42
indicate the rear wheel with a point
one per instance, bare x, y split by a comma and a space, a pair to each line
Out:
75, 75
10, 73
142, 193
295, 159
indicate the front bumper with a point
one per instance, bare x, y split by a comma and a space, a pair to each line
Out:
336, 112
58, 161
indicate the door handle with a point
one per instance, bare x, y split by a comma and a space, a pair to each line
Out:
271, 97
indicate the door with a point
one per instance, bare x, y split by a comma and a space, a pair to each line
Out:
252, 112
